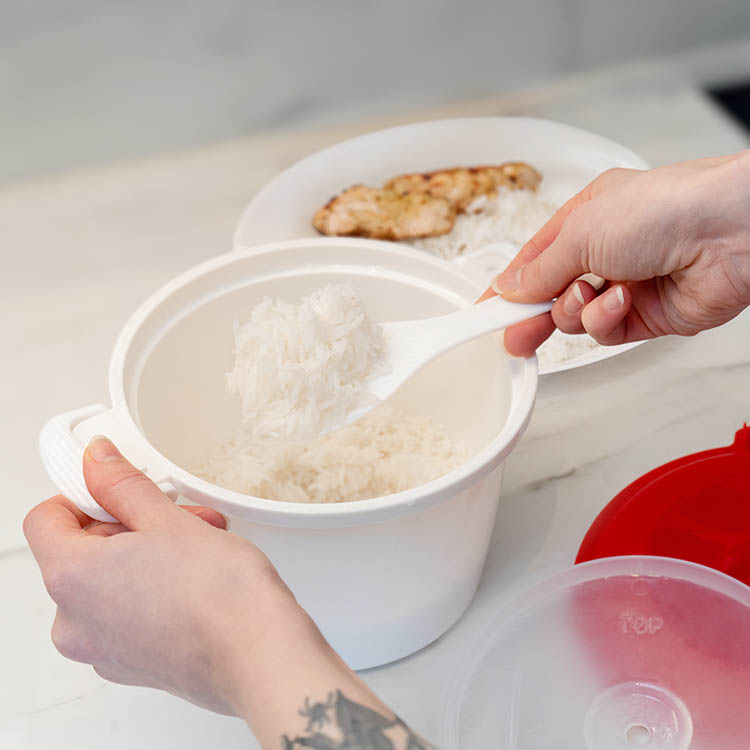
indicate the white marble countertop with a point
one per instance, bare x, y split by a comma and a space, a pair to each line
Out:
82, 249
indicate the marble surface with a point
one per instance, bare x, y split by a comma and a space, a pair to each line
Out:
83, 248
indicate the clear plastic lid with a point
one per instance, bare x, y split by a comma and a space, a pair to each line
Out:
613, 654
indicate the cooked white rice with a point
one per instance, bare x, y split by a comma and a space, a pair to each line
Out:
300, 369
563, 347
384, 452
512, 216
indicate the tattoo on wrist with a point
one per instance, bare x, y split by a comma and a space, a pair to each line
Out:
341, 724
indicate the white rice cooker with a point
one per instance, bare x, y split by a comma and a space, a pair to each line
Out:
381, 577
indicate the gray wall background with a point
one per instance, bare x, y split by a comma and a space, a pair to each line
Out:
82, 81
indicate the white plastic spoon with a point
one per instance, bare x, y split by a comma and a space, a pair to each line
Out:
411, 344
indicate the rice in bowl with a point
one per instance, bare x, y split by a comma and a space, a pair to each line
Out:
298, 369
385, 452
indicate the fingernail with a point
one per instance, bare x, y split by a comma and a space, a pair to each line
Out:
574, 301
507, 281
613, 299
510, 354
103, 450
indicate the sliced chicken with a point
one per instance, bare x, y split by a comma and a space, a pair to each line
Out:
462, 185
385, 214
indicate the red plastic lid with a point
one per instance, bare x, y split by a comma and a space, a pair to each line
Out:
696, 508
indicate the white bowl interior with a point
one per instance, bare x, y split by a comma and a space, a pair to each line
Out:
175, 374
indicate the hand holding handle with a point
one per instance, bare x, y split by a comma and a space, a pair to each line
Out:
62, 442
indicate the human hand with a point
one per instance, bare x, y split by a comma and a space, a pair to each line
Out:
164, 599
157, 599
673, 244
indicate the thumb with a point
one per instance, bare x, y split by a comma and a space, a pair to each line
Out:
123, 491
549, 274
209, 515
551, 259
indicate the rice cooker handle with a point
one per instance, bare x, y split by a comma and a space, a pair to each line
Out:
62, 442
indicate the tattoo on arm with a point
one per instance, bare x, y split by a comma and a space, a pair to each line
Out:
341, 724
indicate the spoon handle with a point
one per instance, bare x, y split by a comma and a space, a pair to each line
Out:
485, 317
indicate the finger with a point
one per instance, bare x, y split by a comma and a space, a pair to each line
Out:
551, 272
606, 317
209, 515
71, 640
105, 529
523, 339
566, 312
507, 281
51, 525
489, 292
619, 319
553, 257
549, 232
121, 676
537, 244
123, 491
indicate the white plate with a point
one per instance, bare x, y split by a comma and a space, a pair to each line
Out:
568, 158
490, 260
589, 358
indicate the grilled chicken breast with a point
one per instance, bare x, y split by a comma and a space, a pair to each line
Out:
423, 204
463, 184
381, 213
